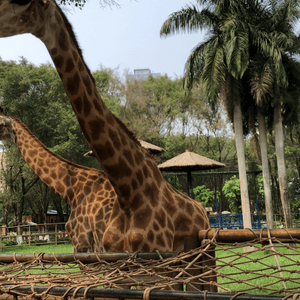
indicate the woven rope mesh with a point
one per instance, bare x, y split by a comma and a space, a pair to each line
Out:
265, 268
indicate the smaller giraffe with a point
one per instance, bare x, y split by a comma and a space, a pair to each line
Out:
87, 191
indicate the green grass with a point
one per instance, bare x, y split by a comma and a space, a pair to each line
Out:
38, 269
249, 272
251, 268
60, 248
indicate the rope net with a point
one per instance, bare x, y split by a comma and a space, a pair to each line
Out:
260, 266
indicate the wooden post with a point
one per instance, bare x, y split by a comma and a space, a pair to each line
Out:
4, 230
19, 238
192, 242
29, 238
55, 234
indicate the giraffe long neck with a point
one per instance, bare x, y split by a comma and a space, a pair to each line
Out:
57, 173
127, 165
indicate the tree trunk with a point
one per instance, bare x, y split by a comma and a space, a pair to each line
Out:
282, 175
265, 167
21, 209
240, 147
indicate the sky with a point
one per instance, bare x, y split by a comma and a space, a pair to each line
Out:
126, 38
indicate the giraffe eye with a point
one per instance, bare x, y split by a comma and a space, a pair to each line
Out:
20, 2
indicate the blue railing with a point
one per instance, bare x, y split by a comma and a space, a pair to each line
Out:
233, 221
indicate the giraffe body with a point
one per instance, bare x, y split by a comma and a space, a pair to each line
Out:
87, 191
149, 214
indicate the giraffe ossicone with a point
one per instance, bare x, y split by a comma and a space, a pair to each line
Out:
149, 214
87, 191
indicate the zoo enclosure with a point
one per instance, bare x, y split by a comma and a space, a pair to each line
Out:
215, 182
33, 234
269, 269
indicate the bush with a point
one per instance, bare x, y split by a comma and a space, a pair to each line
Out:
7, 242
204, 195
63, 239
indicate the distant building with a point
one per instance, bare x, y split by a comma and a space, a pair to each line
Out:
51, 217
142, 74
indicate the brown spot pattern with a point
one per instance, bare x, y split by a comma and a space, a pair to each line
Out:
73, 84
142, 218
63, 40
70, 65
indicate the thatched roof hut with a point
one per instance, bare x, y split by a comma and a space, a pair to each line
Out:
188, 162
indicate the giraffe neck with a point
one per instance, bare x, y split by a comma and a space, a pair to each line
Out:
127, 165
53, 170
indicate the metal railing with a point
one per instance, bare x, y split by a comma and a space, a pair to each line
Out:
233, 221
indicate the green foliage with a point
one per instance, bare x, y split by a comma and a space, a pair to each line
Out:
6, 242
63, 239
231, 190
36, 96
205, 195
156, 106
158, 110
111, 88
251, 59
174, 181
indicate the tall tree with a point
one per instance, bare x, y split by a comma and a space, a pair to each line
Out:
241, 32
275, 79
219, 63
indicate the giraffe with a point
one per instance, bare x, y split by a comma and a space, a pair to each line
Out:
149, 214
87, 191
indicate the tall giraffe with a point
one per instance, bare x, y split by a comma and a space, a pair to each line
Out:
87, 191
149, 214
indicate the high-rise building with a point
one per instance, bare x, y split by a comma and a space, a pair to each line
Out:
142, 74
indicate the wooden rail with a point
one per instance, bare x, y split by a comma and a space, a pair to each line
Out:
82, 257
244, 235
32, 232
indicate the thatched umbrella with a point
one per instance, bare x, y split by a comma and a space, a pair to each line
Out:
189, 161
152, 148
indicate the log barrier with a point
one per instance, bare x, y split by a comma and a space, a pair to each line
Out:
245, 235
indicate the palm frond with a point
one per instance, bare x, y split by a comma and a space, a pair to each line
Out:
194, 65
214, 71
188, 20
262, 77
237, 50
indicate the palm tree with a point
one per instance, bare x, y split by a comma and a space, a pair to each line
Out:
220, 63
276, 78
239, 33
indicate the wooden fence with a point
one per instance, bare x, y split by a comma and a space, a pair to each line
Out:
268, 270
32, 234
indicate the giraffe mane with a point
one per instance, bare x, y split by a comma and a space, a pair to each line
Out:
46, 149
69, 27
74, 39
132, 136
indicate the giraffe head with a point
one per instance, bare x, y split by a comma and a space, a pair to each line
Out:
22, 16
